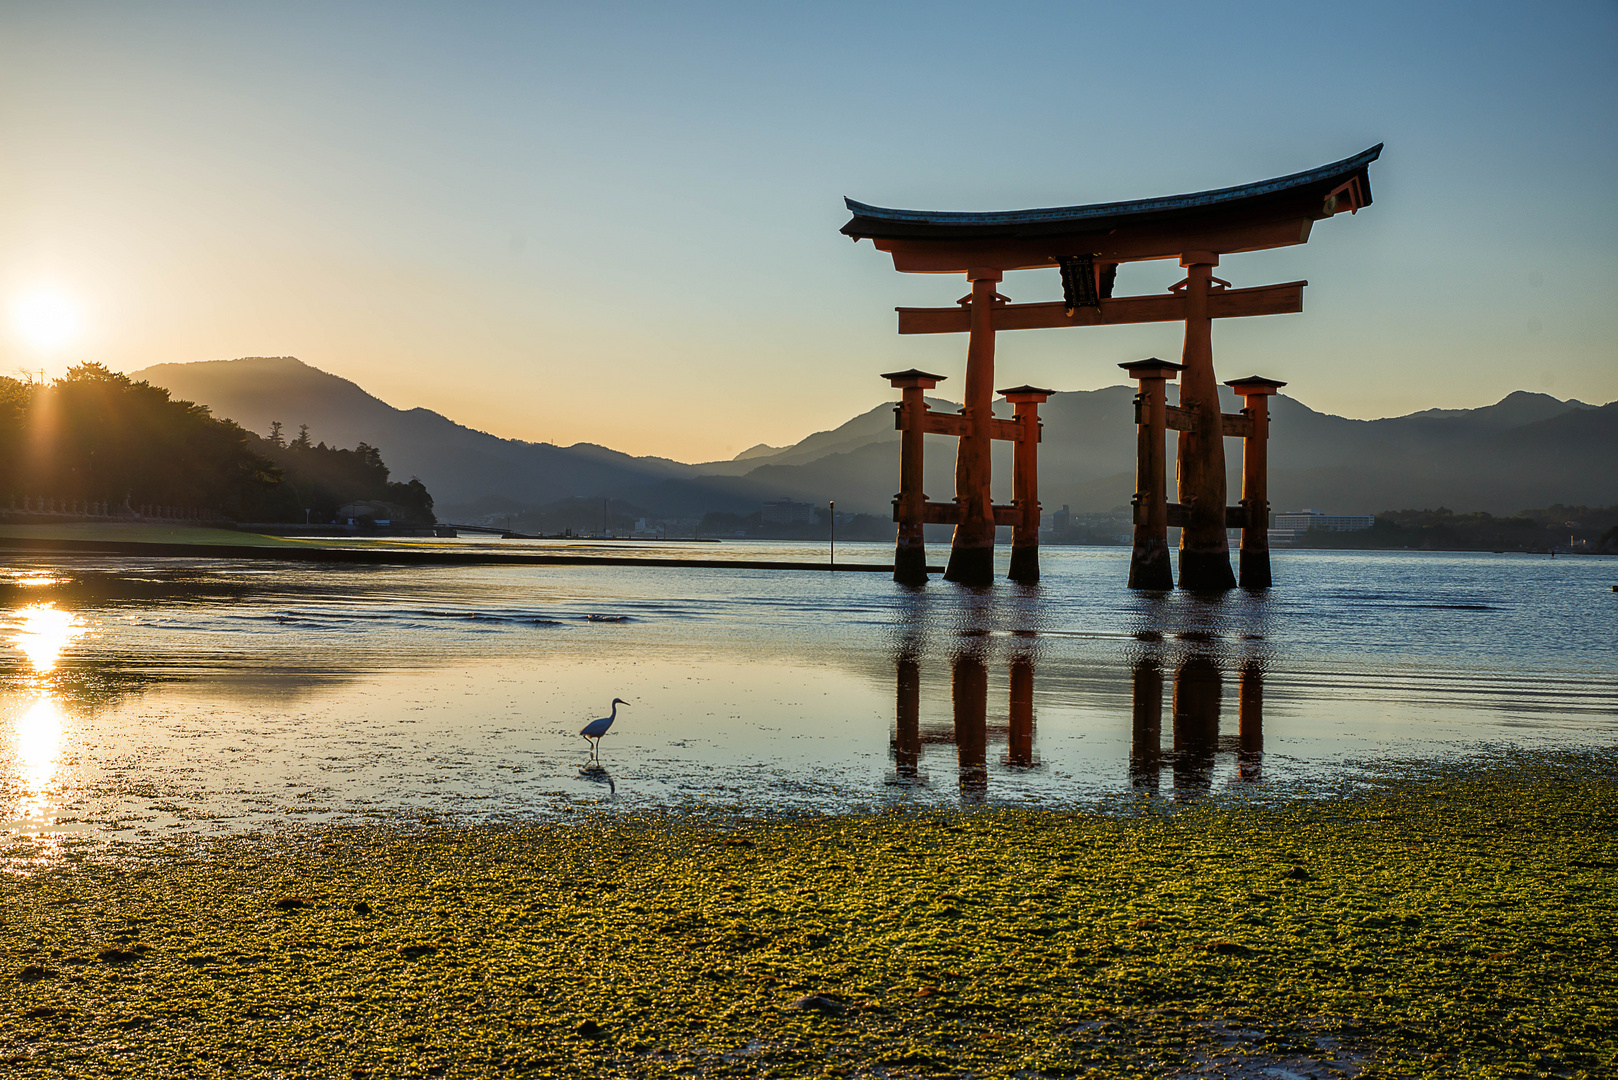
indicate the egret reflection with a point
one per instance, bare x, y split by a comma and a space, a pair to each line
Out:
43, 632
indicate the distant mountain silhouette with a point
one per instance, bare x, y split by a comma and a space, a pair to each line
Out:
1528, 450
457, 463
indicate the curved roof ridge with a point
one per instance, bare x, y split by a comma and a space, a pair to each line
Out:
1113, 209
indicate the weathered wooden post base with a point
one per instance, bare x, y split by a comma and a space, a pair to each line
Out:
1205, 571
1253, 569
970, 565
909, 562
1150, 567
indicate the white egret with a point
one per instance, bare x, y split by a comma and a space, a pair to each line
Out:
598, 727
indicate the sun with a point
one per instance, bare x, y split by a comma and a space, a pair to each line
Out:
46, 319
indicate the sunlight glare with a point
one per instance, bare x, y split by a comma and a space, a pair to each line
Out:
44, 633
39, 747
46, 319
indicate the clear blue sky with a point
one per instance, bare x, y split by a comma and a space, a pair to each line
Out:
618, 222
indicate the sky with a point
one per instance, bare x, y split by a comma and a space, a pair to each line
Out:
617, 222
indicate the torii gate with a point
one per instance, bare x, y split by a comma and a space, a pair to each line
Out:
1088, 243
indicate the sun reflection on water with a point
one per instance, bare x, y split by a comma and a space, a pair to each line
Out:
43, 634
39, 751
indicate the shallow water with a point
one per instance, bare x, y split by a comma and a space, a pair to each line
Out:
143, 697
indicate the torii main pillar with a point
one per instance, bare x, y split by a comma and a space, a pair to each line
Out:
971, 552
1200, 462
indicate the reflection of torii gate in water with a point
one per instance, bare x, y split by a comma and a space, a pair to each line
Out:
1196, 704
1088, 243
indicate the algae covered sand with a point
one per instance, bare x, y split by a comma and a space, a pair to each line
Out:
1454, 922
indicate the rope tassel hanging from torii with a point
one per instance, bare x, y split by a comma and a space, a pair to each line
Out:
1084, 283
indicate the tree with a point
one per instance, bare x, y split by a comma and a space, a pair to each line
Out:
322, 479
98, 436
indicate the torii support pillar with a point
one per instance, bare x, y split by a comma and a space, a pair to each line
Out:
1149, 566
1255, 552
910, 505
971, 553
1204, 548
1025, 481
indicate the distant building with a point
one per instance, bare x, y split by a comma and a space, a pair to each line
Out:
1288, 527
787, 512
379, 512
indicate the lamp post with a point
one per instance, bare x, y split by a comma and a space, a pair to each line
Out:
831, 509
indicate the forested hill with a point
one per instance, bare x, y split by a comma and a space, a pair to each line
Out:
98, 436
460, 464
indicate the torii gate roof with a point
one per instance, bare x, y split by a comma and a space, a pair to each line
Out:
1270, 213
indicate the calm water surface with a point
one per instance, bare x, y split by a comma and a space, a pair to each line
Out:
142, 697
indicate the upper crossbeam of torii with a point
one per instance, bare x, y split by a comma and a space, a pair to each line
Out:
1087, 243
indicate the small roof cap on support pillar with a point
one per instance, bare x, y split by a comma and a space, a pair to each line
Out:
1152, 368
1018, 394
1254, 385
905, 379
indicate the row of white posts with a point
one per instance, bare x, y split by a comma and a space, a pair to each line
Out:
39, 504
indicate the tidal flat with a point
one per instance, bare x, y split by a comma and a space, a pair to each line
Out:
1440, 920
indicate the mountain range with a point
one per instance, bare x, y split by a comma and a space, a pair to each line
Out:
1527, 450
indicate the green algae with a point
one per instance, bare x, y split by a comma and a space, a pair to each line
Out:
1453, 922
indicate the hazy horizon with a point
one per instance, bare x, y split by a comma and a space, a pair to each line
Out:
618, 224
876, 401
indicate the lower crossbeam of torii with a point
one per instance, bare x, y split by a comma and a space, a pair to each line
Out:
1087, 244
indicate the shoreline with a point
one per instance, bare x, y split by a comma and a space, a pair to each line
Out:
1451, 919
399, 556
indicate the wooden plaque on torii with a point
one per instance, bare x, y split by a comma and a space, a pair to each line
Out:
1088, 243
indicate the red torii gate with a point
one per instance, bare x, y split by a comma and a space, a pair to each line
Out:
1088, 243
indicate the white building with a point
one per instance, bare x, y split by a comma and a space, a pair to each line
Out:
1288, 527
787, 512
